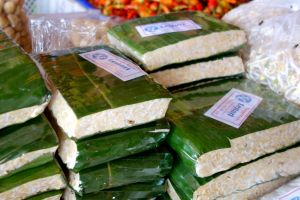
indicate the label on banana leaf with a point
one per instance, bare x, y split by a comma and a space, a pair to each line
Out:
167, 27
119, 67
291, 195
234, 108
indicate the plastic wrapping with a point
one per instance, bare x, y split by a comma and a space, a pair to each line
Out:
52, 32
273, 53
208, 146
23, 93
144, 167
14, 22
291, 191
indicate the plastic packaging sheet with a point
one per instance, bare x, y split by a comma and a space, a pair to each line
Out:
273, 53
14, 22
52, 32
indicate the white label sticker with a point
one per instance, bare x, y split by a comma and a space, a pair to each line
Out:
167, 27
292, 195
121, 68
234, 108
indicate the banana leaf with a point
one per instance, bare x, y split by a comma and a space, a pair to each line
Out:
244, 179
144, 167
88, 100
165, 196
146, 190
23, 93
100, 149
52, 195
208, 146
156, 51
27, 183
26, 145
203, 70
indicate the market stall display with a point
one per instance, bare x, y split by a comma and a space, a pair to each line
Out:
26, 145
146, 190
175, 38
30, 182
272, 56
209, 146
23, 92
96, 95
227, 185
13, 21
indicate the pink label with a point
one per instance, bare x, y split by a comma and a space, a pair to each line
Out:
234, 108
119, 67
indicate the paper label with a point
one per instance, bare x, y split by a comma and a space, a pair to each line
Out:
292, 195
119, 67
234, 108
167, 27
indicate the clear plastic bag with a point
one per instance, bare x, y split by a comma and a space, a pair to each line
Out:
52, 32
14, 22
273, 53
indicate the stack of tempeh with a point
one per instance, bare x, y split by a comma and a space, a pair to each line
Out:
105, 125
180, 48
27, 141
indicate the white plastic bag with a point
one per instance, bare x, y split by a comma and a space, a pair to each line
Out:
273, 53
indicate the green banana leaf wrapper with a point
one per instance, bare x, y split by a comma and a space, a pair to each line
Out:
23, 92
210, 38
113, 145
147, 190
144, 167
33, 181
194, 135
53, 195
183, 184
26, 145
88, 94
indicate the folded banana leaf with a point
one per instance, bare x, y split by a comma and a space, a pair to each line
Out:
52, 195
27, 183
208, 146
26, 145
146, 190
144, 167
200, 70
23, 93
165, 196
99, 149
150, 42
248, 180
88, 100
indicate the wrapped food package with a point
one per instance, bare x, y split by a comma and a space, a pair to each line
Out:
88, 100
81, 154
52, 195
26, 145
289, 190
249, 181
23, 92
273, 53
203, 70
173, 38
147, 190
51, 32
144, 167
14, 22
34, 181
209, 146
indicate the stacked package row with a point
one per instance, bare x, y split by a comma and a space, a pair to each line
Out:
110, 130
27, 141
234, 138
